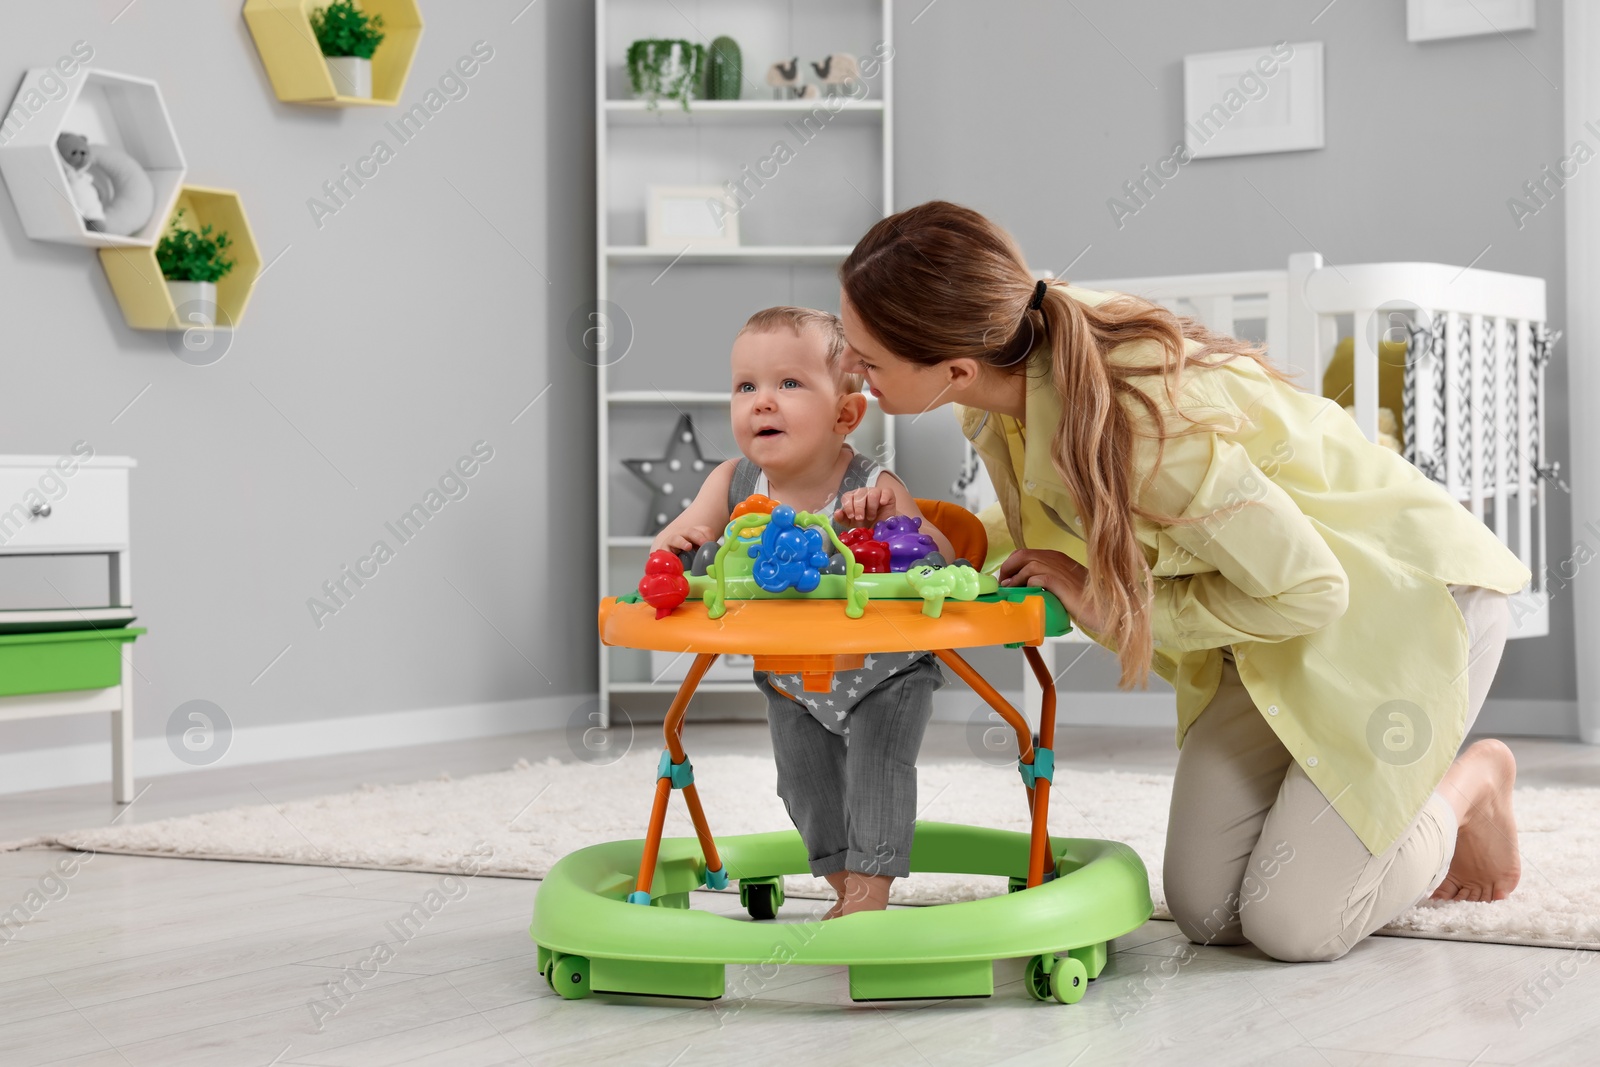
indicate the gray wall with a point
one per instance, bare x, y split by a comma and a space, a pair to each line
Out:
380, 346
419, 319
1036, 114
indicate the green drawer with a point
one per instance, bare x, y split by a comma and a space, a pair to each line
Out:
69, 659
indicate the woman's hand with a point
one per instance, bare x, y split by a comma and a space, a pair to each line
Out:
1060, 574
864, 507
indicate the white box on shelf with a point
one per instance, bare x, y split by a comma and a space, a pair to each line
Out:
674, 667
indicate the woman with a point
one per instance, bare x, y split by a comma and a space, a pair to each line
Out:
1330, 618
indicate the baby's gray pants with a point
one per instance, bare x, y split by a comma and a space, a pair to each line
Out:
855, 804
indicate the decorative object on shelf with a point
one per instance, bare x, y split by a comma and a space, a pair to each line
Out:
675, 478
75, 153
348, 37
192, 262
96, 137
725, 76
1432, 20
785, 78
701, 215
1278, 89
837, 70
292, 49
131, 271
665, 68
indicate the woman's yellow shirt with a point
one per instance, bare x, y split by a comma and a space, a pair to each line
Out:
1329, 583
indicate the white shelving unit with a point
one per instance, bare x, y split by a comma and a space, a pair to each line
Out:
683, 304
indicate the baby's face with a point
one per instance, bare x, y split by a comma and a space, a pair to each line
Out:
786, 403
74, 148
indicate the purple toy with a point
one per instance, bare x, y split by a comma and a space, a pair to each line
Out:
906, 543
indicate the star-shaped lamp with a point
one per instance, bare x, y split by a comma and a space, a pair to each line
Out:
675, 478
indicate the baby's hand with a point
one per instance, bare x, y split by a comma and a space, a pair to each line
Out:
683, 540
863, 507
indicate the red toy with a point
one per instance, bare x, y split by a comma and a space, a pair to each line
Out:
872, 555
663, 586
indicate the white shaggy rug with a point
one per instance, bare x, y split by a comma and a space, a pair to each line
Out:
524, 819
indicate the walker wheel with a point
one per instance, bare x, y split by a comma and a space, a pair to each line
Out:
570, 977
1069, 980
759, 898
1036, 977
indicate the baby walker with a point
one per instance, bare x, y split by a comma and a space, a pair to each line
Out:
615, 918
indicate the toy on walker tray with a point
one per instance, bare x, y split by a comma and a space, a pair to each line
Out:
615, 918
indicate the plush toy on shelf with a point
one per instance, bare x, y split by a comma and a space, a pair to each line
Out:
75, 151
837, 70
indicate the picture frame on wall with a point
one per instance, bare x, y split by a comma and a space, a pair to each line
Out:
1253, 100
701, 215
1433, 20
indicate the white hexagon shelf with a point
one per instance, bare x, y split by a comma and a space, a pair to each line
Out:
124, 114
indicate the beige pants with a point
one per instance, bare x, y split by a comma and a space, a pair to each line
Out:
1254, 851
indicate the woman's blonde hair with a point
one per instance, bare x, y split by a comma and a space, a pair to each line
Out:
940, 282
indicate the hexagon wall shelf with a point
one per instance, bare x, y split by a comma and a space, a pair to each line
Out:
136, 278
119, 110
289, 51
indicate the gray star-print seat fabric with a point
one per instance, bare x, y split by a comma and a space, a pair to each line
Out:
831, 709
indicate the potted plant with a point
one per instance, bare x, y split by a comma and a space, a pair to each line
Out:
192, 263
348, 36
666, 68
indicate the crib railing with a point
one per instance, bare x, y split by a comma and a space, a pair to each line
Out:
1477, 345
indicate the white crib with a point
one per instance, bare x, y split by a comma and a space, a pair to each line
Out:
1474, 397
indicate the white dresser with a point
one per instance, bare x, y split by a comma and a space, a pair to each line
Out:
58, 657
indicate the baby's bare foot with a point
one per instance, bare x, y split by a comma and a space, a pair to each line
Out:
865, 892
1487, 864
838, 879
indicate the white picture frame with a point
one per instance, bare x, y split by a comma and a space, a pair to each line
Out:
1253, 100
704, 216
1434, 20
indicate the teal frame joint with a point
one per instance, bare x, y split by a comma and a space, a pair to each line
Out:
1043, 766
717, 879
639, 896
682, 774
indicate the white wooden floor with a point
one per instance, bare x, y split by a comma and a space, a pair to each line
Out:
136, 961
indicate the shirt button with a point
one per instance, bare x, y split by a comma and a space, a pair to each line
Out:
1032, 486
1311, 761
1272, 709
1078, 521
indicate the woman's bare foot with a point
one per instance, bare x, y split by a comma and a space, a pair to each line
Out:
838, 879
1486, 865
865, 892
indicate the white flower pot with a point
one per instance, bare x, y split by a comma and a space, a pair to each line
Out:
352, 75
196, 303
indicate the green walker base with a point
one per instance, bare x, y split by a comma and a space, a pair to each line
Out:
591, 940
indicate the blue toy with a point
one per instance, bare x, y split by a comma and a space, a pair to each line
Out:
789, 556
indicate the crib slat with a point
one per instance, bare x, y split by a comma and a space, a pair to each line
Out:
1524, 452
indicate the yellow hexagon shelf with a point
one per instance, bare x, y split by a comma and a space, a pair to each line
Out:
136, 279
289, 50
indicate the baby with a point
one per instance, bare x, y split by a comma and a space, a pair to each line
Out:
74, 149
852, 793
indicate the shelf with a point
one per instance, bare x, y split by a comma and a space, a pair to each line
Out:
625, 541
658, 396
289, 51
136, 279
730, 112
744, 254
119, 112
670, 687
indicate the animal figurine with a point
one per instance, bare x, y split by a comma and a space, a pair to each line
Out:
871, 554
785, 75
906, 543
935, 585
75, 151
838, 68
789, 556
663, 586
